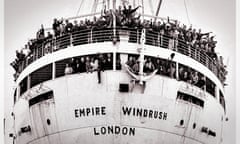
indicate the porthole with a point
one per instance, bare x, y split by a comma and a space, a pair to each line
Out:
48, 121
181, 122
194, 125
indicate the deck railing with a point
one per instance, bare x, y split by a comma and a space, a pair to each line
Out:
89, 36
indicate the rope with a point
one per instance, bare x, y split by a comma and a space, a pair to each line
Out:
79, 7
185, 5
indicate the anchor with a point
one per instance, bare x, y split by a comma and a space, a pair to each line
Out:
141, 76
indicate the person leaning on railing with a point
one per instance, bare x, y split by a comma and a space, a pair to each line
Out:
48, 44
68, 27
56, 27
75, 26
128, 15
171, 34
41, 34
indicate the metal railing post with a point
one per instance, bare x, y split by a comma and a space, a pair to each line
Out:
114, 27
28, 81
137, 36
177, 74
189, 50
36, 54
207, 62
71, 40
176, 44
43, 51
91, 36
114, 59
53, 70
54, 47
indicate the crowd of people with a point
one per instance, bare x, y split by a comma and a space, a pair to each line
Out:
99, 63
163, 67
191, 76
89, 63
196, 78
167, 67
165, 33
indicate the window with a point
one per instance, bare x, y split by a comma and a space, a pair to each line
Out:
118, 62
86, 63
210, 87
184, 73
190, 99
60, 67
23, 86
191, 76
165, 67
41, 75
40, 98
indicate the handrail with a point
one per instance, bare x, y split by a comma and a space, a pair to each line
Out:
157, 17
107, 34
82, 16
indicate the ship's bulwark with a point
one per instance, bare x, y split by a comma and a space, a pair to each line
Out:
83, 111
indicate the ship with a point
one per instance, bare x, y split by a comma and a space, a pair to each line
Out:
119, 76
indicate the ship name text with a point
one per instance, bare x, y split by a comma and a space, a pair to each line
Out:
127, 111
114, 130
94, 111
140, 112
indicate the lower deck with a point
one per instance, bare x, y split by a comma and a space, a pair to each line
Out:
77, 109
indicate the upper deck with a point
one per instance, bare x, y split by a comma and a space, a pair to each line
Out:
163, 33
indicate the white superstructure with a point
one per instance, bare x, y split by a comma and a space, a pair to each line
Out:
115, 104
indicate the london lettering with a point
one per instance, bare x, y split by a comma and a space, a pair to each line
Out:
139, 112
114, 130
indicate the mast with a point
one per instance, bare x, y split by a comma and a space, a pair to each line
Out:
79, 7
95, 3
142, 10
158, 9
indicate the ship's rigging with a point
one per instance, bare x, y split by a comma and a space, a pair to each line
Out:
112, 5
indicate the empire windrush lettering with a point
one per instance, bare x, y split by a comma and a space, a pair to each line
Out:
140, 112
127, 111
